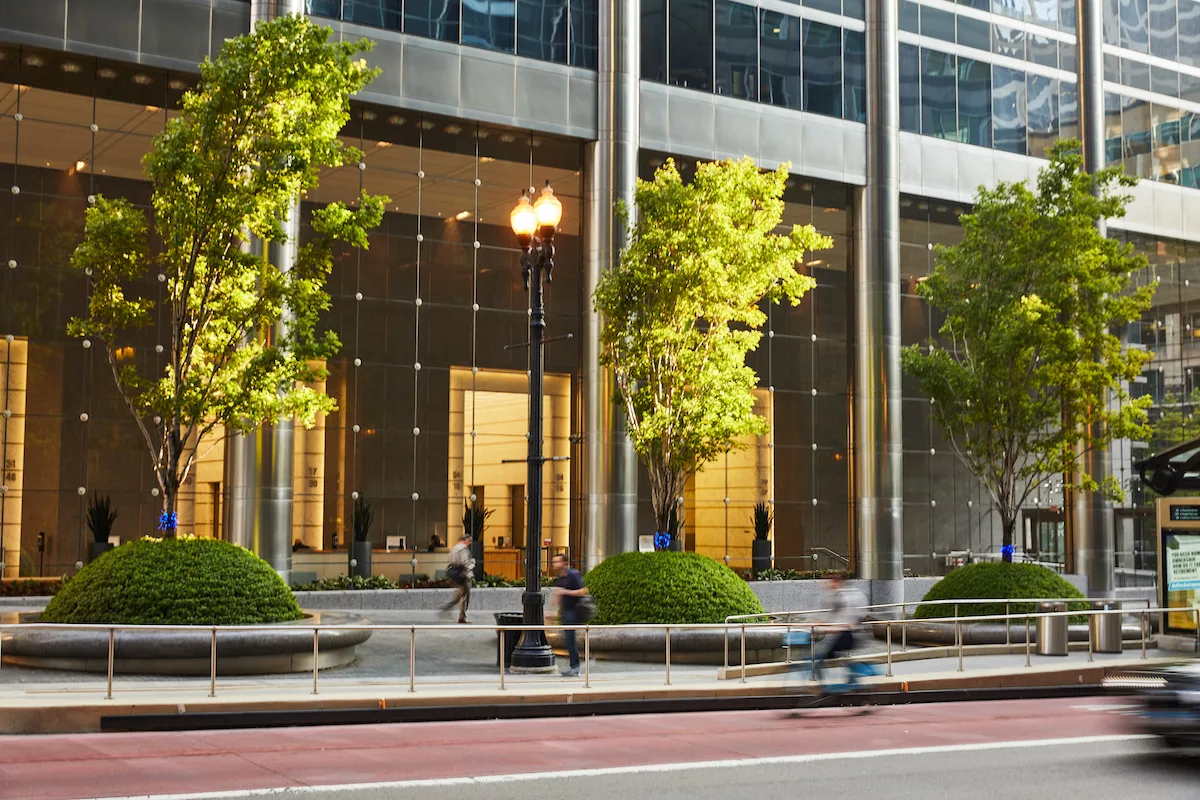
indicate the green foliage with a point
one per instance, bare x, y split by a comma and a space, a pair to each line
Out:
250, 139
1029, 297
29, 587
997, 580
668, 588
684, 307
1176, 421
364, 515
100, 517
764, 518
799, 575
474, 518
177, 581
344, 583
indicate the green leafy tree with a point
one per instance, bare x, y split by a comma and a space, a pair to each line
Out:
682, 309
1029, 297
1175, 423
253, 136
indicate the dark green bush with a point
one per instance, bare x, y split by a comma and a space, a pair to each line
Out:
345, 583
668, 588
997, 580
29, 587
183, 581
796, 575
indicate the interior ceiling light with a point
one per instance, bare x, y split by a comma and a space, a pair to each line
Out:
460, 216
108, 73
153, 109
453, 130
486, 160
177, 85
508, 138
34, 61
395, 119
369, 116
426, 125
142, 79
70, 66
481, 134
80, 165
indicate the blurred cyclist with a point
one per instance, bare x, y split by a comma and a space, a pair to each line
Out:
847, 611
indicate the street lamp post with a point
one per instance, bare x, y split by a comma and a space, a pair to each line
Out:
534, 226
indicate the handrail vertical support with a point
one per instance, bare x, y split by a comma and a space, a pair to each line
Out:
812, 649
904, 629
1028, 640
1007, 625
668, 655
743, 680
587, 655
412, 658
112, 640
212, 666
958, 630
316, 657
889, 649
500, 645
1145, 618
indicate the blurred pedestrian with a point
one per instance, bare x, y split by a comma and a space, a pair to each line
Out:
460, 570
847, 611
568, 594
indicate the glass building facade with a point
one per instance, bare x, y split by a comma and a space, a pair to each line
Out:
479, 99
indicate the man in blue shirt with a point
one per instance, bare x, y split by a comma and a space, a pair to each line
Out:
569, 588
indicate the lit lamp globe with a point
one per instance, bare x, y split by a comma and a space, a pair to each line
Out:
524, 220
548, 209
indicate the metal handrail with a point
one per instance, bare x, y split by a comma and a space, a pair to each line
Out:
964, 601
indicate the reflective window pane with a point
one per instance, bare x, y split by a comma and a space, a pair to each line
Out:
654, 40
910, 16
1008, 41
435, 19
1018, 9
1113, 146
779, 73
1044, 12
1066, 56
1164, 81
1008, 109
691, 46
1043, 50
542, 29
1163, 29
937, 23
832, 6
1066, 15
376, 13
974, 33
1135, 25
854, 9
1189, 32
822, 57
938, 105
1112, 68
1112, 21
737, 50
324, 8
855, 50
585, 32
910, 88
1068, 110
1043, 114
1167, 137
1135, 74
1189, 88
489, 25
1136, 135
975, 102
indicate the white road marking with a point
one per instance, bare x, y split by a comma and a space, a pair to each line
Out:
236, 794
1103, 707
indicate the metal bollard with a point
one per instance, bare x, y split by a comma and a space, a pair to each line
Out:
316, 656
412, 658
1145, 616
112, 639
812, 649
1007, 624
587, 656
889, 648
904, 629
743, 680
1091, 647
1027, 641
958, 631
501, 649
668, 655
212, 666
726, 646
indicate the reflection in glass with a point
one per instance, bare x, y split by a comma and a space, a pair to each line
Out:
975, 102
585, 30
938, 106
1018, 9
1043, 114
1068, 110
434, 19
1112, 21
1135, 131
822, 69
324, 8
1008, 41
1045, 12
910, 16
1189, 87
1112, 128
1189, 32
1163, 29
1164, 81
974, 33
376, 13
1135, 74
1135, 33
542, 29
856, 76
780, 59
691, 45
654, 40
1008, 109
910, 88
937, 23
1066, 15
489, 25
1043, 50
1168, 136
737, 50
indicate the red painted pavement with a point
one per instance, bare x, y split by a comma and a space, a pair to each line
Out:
67, 767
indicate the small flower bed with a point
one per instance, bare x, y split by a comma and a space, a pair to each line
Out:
30, 587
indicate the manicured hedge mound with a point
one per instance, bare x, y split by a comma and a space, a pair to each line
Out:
667, 588
182, 581
988, 580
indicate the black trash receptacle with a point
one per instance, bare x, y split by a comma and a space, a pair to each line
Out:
510, 637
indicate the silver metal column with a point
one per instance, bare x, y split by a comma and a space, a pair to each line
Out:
611, 169
1093, 523
878, 466
259, 475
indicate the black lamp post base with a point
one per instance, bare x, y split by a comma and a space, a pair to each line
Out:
532, 655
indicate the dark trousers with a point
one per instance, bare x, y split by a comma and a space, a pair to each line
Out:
836, 644
570, 617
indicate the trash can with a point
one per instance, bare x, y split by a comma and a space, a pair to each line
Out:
1051, 631
510, 637
1105, 629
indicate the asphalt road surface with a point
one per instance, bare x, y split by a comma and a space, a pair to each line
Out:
1067, 748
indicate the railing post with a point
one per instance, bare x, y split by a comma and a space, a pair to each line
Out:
1197, 614
1027, 641
726, 645
412, 658
1091, 646
812, 649
904, 629
500, 647
212, 666
1007, 625
889, 648
1145, 618
316, 656
743, 680
112, 640
668, 655
958, 630
587, 655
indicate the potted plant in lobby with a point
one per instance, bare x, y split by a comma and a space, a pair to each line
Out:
474, 518
760, 548
100, 518
364, 515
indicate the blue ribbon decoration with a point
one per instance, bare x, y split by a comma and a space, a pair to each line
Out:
1006, 552
662, 540
167, 521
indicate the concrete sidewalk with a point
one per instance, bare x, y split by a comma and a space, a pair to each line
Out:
79, 706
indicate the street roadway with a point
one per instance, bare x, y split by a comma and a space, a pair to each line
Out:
1066, 748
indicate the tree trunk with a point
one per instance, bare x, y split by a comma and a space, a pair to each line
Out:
168, 522
1008, 525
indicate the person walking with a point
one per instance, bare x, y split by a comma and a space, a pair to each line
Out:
847, 611
568, 591
460, 570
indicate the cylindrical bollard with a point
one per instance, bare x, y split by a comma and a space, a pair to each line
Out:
743, 654
889, 649
1104, 626
587, 656
668, 655
1052, 629
1028, 642
316, 656
112, 639
958, 631
212, 667
412, 658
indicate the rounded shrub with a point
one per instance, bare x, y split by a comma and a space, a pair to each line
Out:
667, 588
997, 580
181, 581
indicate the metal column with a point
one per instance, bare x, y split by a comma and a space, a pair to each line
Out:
1093, 522
877, 463
611, 174
259, 474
